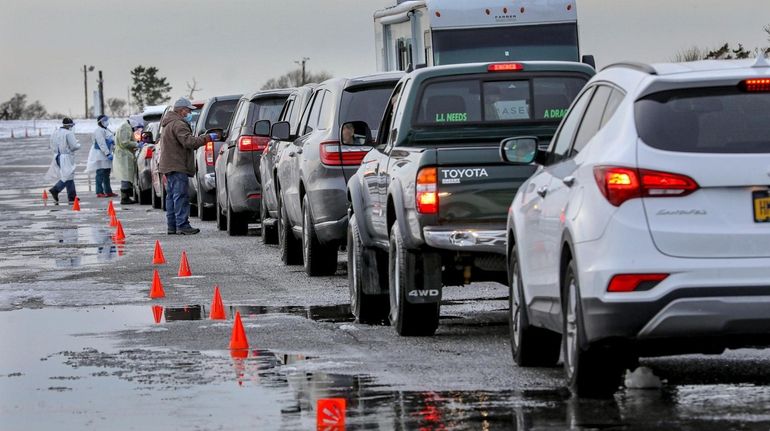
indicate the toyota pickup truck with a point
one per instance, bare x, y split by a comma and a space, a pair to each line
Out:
428, 205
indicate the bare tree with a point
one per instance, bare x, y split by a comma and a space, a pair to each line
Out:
193, 88
693, 53
117, 106
294, 79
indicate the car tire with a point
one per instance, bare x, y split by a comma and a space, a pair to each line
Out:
591, 371
530, 346
291, 252
237, 224
221, 219
368, 308
318, 259
408, 319
205, 213
269, 233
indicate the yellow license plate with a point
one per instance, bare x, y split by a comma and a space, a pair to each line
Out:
761, 206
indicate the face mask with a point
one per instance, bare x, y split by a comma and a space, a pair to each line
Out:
105, 122
188, 118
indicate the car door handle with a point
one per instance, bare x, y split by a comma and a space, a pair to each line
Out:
569, 181
542, 191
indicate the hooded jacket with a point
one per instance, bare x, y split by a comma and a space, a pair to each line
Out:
177, 145
124, 163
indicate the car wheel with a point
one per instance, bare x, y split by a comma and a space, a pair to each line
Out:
269, 233
368, 308
221, 219
237, 224
408, 319
291, 254
530, 346
205, 213
319, 259
591, 371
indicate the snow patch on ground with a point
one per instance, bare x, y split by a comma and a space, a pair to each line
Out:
30, 128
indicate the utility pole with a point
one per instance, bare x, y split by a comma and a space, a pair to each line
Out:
85, 84
101, 92
302, 63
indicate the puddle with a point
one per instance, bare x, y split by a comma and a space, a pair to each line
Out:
319, 313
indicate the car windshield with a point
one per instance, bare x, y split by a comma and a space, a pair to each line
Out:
365, 104
520, 43
705, 120
268, 109
455, 102
219, 114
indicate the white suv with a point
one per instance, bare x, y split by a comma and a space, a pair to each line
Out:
646, 231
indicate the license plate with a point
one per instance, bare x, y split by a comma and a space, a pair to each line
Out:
761, 206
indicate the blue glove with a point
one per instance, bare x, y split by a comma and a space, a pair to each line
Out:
214, 136
110, 157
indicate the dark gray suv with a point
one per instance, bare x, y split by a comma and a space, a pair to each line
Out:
313, 170
216, 114
239, 193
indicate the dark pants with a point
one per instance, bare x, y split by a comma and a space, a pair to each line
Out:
103, 181
70, 185
177, 201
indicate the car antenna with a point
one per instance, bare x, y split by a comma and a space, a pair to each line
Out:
761, 60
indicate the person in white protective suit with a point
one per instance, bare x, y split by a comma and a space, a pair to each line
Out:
124, 164
63, 144
100, 157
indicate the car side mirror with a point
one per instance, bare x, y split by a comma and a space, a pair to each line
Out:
589, 60
262, 128
519, 151
221, 133
147, 138
356, 133
280, 131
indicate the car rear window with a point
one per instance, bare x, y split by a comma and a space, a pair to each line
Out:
365, 104
705, 120
512, 100
268, 109
219, 114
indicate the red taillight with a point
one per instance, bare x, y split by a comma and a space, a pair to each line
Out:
208, 153
426, 191
619, 184
756, 85
634, 282
148, 154
252, 143
334, 154
505, 67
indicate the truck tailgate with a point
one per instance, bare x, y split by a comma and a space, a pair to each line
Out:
475, 187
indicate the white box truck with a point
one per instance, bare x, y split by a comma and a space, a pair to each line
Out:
435, 32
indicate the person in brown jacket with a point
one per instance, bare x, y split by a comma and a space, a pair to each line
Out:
177, 163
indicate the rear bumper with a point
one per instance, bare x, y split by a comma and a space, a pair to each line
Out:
243, 190
466, 239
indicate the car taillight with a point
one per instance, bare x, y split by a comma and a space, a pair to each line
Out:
148, 154
505, 67
634, 282
426, 191
755, 85
208, 153
619, 184
252, 143
334, 154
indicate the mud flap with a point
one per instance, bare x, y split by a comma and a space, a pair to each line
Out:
375, 281
427, 286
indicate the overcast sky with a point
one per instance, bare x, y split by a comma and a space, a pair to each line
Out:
234, 46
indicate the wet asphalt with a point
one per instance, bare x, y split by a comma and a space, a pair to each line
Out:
81, 340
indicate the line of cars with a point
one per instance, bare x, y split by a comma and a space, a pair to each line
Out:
627, 211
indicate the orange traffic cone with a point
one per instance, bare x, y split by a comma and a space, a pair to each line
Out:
119, 234
113, 221
110, 209
76, 205
217, 308
184, 266
45, 195
157, 313
238, 338
330, 413
158, 258
157, 287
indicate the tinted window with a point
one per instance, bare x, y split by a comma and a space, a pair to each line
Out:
238, 120
705, 120
365, 104
267, 109
563, 140
540, 42
287, 109
612, 105
474, 100
315, 111
219, 114
325, 116
592, 119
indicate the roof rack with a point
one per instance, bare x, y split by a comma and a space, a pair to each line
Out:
641, 67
